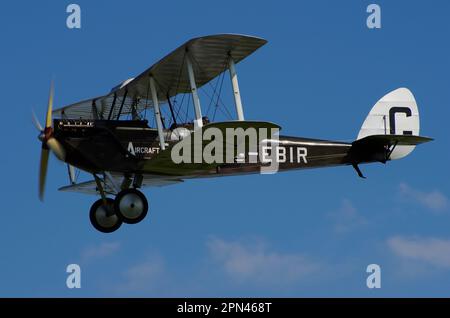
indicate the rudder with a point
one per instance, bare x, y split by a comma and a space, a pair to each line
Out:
396, 113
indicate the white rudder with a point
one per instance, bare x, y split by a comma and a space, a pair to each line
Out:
396, 113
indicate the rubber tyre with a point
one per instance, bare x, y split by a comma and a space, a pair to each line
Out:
105, 225
136, 200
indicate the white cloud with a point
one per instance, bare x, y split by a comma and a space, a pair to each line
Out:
99, 251
433, 251
434, 200
253, 262
143, 277
347, 218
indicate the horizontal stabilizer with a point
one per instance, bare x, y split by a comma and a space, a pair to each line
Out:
390, 140
381, 147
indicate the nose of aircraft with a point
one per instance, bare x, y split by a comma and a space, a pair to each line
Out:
48, 143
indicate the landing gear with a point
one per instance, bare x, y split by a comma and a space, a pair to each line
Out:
103, 217
131, 205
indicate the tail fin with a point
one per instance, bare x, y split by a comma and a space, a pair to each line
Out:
396, 113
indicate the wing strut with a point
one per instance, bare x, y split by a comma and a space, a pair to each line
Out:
71, 172
94, 109
112, 106
157, 113
121, 105
236, 92
172, 113
198, 122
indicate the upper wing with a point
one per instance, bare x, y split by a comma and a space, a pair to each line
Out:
209, 55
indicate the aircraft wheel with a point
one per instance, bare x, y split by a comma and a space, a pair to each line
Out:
103, 217
131, 205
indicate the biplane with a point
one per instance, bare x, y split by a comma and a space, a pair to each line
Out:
126, 138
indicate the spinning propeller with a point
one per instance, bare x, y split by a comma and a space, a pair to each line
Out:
48, 143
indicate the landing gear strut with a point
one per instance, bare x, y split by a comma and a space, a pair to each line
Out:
130, 206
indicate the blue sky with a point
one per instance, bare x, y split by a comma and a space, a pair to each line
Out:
303, 233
